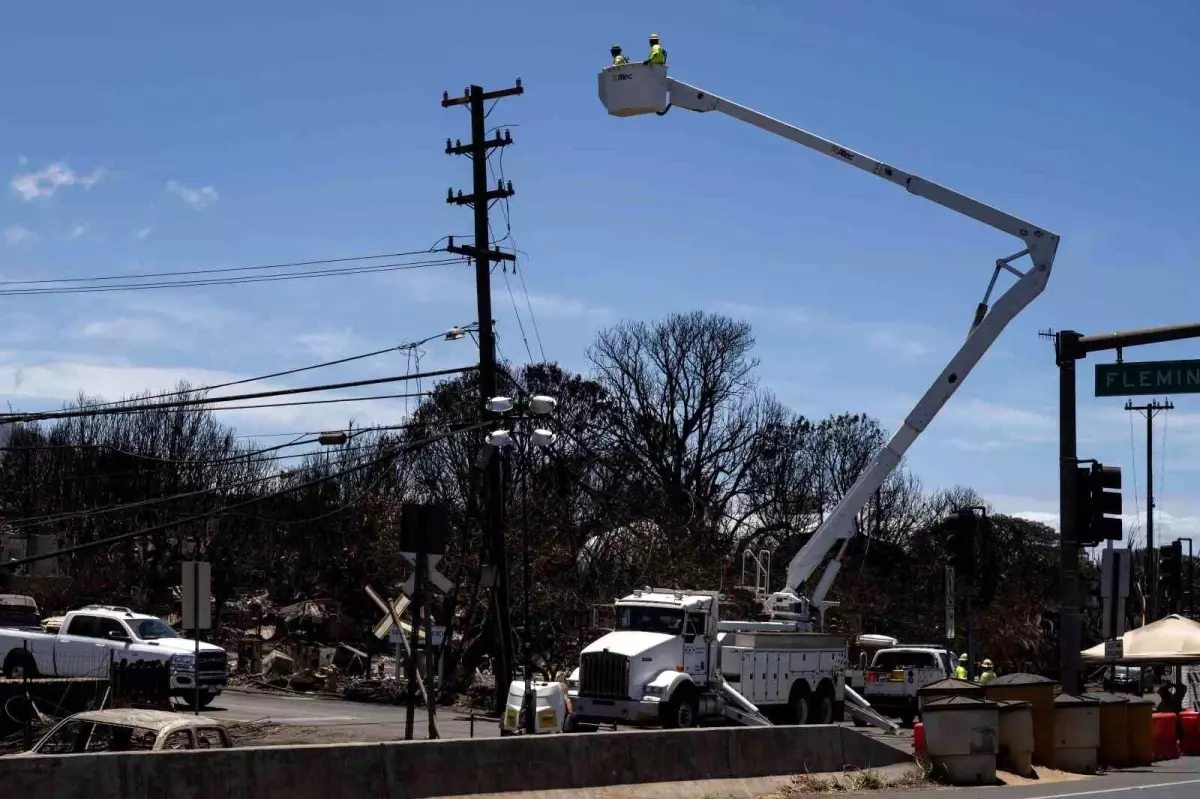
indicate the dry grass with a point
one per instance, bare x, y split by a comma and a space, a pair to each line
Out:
848, 782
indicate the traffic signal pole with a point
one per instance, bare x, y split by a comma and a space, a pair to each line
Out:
1149, 410
1069, 347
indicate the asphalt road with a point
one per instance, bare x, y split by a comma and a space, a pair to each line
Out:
1173, 779
339, 720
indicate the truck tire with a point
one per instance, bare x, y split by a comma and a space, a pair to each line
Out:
20, 665
799, 703
907, 718
680, 709
821, 709
206, 699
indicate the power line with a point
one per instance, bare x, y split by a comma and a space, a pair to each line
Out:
159, 528
87, 412
378, 268
284, 373
144, 275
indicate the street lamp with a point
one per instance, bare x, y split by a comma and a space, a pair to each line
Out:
541, 438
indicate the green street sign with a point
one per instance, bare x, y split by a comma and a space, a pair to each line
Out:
1147, 377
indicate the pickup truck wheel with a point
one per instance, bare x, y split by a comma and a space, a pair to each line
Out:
206, 699
680, 710
19, 666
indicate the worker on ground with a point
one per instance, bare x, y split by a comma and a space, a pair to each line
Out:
618, 59
988, 675
657, 54
960, 673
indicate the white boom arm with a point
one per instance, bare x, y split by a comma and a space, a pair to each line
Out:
639, 88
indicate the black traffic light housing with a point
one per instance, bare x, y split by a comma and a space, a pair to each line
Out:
1099, 504
960, 543
1170, 574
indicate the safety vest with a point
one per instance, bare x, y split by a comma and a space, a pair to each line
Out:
987, 677
657, 54
960, 673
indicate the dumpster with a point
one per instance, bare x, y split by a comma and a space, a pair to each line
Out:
947, 688
1140, 718
961, 735
1076, 733
1016, 736
1114, 729
1039, 692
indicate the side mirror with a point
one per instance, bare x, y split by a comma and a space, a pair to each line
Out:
117, 635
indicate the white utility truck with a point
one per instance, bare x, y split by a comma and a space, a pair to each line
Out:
639, 89
95, 636
897, 673
672, 661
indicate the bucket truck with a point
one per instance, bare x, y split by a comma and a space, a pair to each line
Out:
629, 672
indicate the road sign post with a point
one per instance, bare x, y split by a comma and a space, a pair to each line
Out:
949, 603
422, 539
196, 594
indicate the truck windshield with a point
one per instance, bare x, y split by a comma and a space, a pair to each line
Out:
901, 659
650, 620
148, 629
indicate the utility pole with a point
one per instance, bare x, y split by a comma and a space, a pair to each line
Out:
480, 199
1150, 410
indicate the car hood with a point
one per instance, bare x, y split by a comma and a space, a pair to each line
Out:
181, 646
629, 643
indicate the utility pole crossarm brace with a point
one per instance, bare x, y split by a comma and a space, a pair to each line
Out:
636, 89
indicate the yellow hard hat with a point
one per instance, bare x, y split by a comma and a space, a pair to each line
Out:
962, 658
654, 37
987, 664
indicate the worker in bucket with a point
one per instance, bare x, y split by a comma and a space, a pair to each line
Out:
960, 673
988, 675
657, 54
618, 59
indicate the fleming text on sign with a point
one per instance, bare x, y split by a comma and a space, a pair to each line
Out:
1147, 377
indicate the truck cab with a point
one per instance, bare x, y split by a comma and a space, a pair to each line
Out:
654, 665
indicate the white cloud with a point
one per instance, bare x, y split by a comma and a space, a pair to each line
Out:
1008, 424
16, 234
554, 305
196, 198
123, 328
47, 181
142, 233
328, 345
80, 230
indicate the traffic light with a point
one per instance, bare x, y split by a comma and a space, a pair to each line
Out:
960, 543
1099, 508
1170, 575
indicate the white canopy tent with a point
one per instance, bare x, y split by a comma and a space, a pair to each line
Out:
1173, 640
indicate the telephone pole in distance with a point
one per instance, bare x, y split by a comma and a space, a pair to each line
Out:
480, 199
1150, 410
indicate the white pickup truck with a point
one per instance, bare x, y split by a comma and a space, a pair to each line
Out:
897, 673
93, 637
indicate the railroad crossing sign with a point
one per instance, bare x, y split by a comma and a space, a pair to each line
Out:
1147, 377
433, 576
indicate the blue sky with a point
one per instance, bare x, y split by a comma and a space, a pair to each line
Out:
141, 137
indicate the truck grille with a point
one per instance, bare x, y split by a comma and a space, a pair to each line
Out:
211, 664
604, 674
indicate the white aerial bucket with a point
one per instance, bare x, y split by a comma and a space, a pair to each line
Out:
634, 89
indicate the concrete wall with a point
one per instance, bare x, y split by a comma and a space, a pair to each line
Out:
418, 769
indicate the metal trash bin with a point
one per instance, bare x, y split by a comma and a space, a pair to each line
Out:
1076, 734
1039, 692
961, 739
